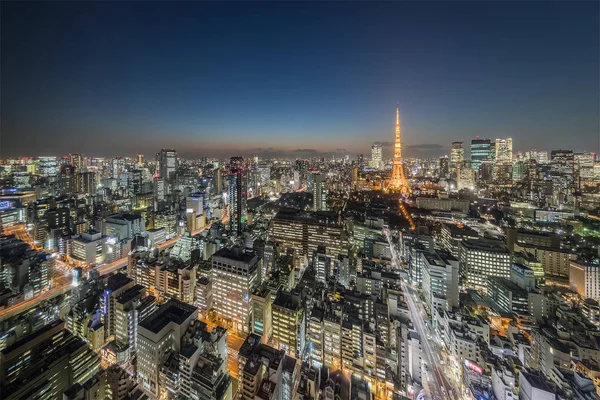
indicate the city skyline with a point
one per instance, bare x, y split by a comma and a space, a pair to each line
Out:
196, 82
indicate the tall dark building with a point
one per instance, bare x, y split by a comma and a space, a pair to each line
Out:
444, 167
238, 194
481, 151
561, 163
167, 164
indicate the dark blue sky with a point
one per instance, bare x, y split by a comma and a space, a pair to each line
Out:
110, 78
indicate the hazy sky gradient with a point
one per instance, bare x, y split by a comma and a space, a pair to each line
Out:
117, 78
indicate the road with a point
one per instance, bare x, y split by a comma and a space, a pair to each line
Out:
63, 284
441, 388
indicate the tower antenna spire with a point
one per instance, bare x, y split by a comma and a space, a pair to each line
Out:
398, 182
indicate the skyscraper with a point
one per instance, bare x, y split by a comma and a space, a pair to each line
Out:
457, 156
237, 194
480, 151
398, 183
76, 160
319, 192
167, 164
376, 159
232, 290
503, 161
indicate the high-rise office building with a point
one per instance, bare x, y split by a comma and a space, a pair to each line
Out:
562, 163
503, 161
76, 161
234, 275
304, 232
289, 323
465, 176
322, 264
167, 164
482, 258
85, 183
376, 156
131, 307
158, 335
319, 192
480, 151
44, 364
457, 156
48, 166
237, 195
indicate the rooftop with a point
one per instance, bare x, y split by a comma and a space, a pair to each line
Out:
173, 311
537, 381
236, 253
494, 246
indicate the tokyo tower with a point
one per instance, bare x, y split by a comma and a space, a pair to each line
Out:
398, 182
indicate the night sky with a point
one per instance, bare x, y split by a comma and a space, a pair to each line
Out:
296, 79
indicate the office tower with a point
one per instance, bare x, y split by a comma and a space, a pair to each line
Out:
160, 189
583, 167
237, 194
217, 181
305, 232
457, 156
398, 181
158, 335
124, 226
204, 296
360, 161
118, 167
90, 247
322, 264
503, 161
410, 354
76, 161
48, 166
440, 281
319, 192
332, 342
115, 285
376, 156
585, 279
135, 181
444, 167
465, 176
315, 337
264, 172
85, 183
289, 323
45, 364
131, 307
140, 159
234, 275
480, 151
264, 372
167, 164
562, 163
262, 315
482, 258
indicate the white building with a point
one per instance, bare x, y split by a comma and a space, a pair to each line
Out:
89, 247
482, 258
440, 281
234, 275
157, 335
124, 226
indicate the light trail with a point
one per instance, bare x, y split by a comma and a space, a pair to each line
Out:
442, 388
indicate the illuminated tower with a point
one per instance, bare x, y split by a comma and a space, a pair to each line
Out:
398, 183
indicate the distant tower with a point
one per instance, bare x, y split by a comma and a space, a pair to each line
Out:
398, 183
